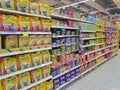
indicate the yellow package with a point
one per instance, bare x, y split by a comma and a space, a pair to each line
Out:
46, 56
24, 23
54, 10
10, 83
24, 80
24, 61
33, 88
10, 41
48, 41
23, 6
46, 25
23, 41
1, 87
46, 71
36, 58
36, 75
9, 64
36, 26
10, 23
41, 86
33, 40
3, 51
50, 85
40, 41
44, 9
0, 42
34, 8
8, 4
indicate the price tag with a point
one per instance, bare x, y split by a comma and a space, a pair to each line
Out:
25, 34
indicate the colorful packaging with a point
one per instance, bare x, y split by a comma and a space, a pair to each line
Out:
50, 85
24, 80
10, 83
44, 9
24, 61
23, 41
23, 6
9, 23
33, 40
33, 88
9, 64
1, 88
10, 41
24, 23
0, 42
8, 4
40, 41
36, 75
36, 58
34, 8
46, 71
41, 86
46, 25
36, 26
48, 40
46, 56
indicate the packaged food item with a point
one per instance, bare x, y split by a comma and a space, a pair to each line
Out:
9, 64
1, 87
9, 23
34, 7
46, 25
24, 61
33, 88
44, 9
8, 4
10, 41
36, 75
24, 23
10, 83
36, 58
49, 85
33, 40
36, 26
23, 41
23, 6
41, 41
41, 86
46, 71
0, 42
54, 10
24, 80
46, 56
48, 41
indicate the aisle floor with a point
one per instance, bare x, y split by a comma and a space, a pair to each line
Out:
105, 77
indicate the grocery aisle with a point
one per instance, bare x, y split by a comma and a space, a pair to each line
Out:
105, 77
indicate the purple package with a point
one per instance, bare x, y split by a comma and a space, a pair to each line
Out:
53, 71
56, 83
73, 73
77, 71
67, 77
62, 79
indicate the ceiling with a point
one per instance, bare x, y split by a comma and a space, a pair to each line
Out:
107, 8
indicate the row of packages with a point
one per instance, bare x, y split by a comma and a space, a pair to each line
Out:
20, 62
27, 6
18, 23
25, 79
20, 41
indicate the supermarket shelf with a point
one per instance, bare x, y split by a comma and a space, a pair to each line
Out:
100, 31
25, 70
7, 33
100, 49
61, 36
100, 44
88, 45
64, 27
89, 52
22, 13
88, 38
36, 83
99, 37
88, 31
22, 52
60, 87
65, 72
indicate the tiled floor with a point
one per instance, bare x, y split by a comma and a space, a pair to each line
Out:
105, 77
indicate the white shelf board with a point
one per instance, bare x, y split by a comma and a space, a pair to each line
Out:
22, 52
7, 33
88, 45
25, 70
65, 72
99, 37
64, 27
88, 38
88, 52
36, 83
88, 31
